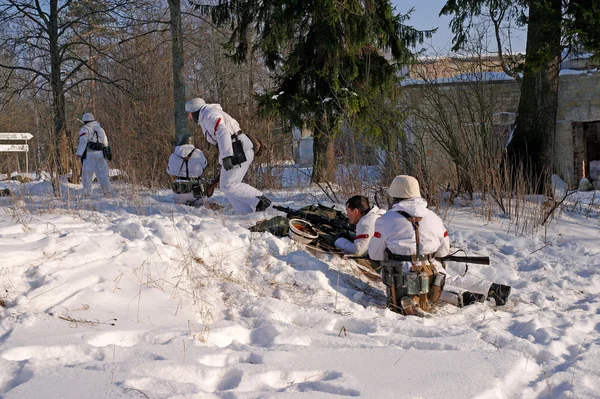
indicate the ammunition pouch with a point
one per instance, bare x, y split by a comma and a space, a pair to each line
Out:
239, 156
418, 283
191, 186
107, 153
95, 146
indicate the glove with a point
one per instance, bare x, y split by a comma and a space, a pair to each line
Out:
348, 235
228, 163
340, 241
327, 238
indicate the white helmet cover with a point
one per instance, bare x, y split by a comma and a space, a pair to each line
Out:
88, 117
404, 186
194, 104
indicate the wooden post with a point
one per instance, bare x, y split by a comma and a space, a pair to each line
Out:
27, 161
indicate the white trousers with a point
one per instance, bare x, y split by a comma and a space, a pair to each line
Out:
94, 163
243, 197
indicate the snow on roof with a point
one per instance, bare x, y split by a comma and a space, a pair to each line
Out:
565, 72
460, 56
462, 78
568, 54
487, 77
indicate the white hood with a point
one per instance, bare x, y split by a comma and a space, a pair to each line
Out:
184, 150
416, 207
207, 108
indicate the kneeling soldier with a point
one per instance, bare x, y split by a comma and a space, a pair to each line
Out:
187, 164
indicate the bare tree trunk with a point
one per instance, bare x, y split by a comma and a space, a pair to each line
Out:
179, 114
58, 97
532, 145
92, 81
392, 165
324, 159
323, 153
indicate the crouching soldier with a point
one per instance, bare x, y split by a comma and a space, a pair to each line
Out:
236, 153
407, 239
186, 164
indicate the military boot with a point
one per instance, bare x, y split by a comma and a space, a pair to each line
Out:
499, 293
263, 204
468, 298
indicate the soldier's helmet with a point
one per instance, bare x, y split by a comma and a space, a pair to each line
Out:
404, 186
186, 139
194, 104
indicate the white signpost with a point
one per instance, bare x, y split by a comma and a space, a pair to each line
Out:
17, 147
16, 136
14, 148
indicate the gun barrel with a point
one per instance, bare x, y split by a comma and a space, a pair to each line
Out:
478, 260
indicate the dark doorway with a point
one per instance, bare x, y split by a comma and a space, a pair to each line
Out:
586, 147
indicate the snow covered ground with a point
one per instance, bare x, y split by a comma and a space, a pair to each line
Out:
134, 297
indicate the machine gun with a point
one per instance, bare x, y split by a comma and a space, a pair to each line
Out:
328, 228
340, 222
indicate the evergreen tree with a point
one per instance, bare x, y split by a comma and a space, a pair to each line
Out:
551, 25
326, 56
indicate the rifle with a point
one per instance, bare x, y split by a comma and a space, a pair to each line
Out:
204, 193
210, 188
318, 220
478, 260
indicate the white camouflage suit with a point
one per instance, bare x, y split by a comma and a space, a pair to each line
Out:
94, 162
218, 128
395, 232
177, 168
364, 232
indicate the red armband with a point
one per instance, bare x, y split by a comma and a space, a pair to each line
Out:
217, 125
